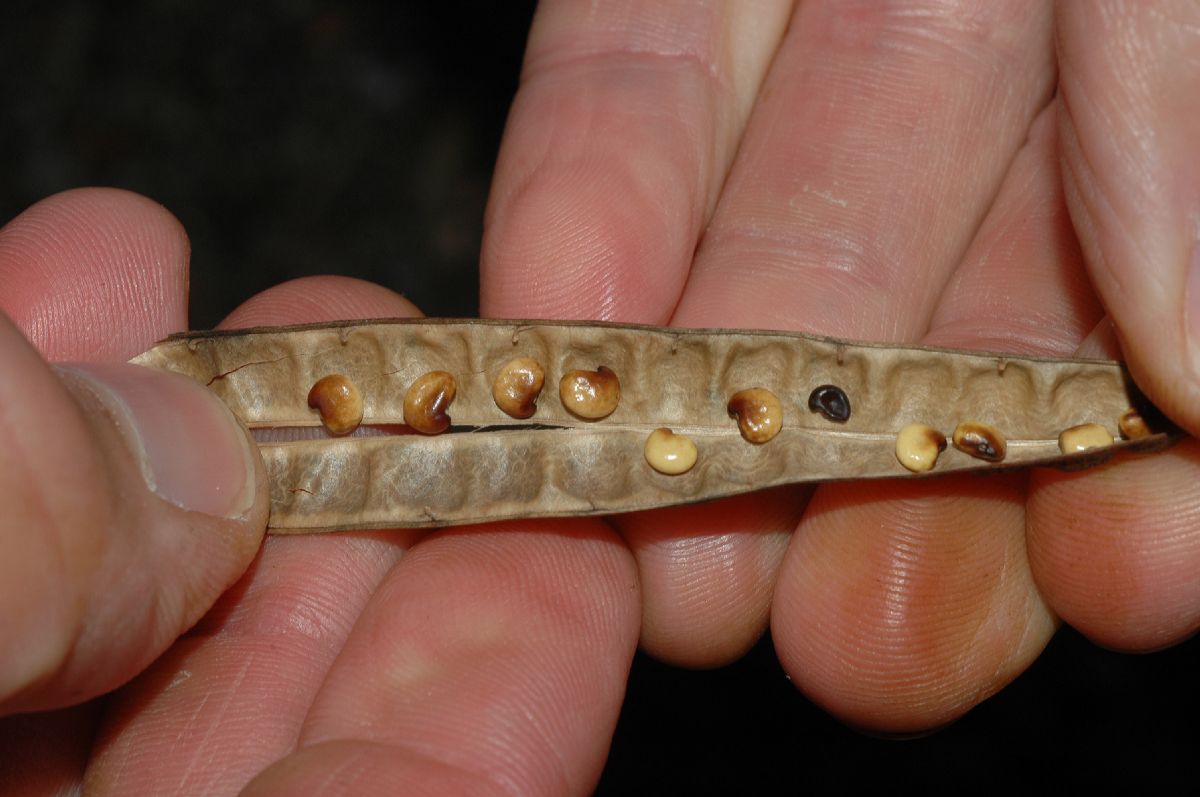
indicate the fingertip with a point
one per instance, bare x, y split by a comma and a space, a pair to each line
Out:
317, 299
93, 273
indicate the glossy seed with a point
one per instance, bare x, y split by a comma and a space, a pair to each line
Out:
338, 401
518, 386
427, 402
1083, 437
980, 441
590, 394
1132, 425
670, 453
918, 446
758, 412
831, 401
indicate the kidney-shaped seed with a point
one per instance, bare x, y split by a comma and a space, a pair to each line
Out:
518, 386
831, 401
980, 441
670, 453
1083, 437
758, 412
590, 394
338, 401
1132, 425
427, 402
918, 446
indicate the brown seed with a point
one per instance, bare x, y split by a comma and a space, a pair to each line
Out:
918, 446
338, 401
1132, 425
1083, 437
427, 401
517, 387
758, 412
670, 453
831, 401
590, 394
980, 441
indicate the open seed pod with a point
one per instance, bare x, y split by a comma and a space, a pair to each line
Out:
490, 465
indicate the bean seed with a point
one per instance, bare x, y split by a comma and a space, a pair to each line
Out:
980, 441
1083, 437
518, 386
670, 453
427, 402
758, 412
338, 401
1132, 425
918, 446
590, 394
831, 401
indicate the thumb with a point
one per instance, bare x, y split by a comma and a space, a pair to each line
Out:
1130, 124
132, 500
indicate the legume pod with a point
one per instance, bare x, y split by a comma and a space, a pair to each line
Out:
490, 465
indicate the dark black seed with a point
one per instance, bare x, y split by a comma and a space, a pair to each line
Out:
830, 401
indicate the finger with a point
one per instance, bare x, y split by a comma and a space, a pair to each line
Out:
228, 699
1130, 86
490, 659
617, 145
902, 610
94, 274
833, 219
133, 540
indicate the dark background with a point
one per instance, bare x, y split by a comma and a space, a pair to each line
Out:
300, 138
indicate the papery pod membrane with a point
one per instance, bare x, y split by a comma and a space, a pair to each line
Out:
490, 466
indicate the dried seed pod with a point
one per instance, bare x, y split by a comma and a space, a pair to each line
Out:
670, 453
338, 401
567, 466
590, 394
428, 400
831, 401
980, 441
518, 386
1133, 426
758, 412
918, 447
1083, 437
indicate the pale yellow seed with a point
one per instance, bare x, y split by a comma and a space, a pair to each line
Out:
980, 441
758, 412
518, 386
1083, 437
339, 402
590, 394
670, 453
1132, 425
427, 402
918, 446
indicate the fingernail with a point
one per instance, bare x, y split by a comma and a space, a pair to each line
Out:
192, 450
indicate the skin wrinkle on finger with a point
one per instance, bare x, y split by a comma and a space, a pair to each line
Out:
574, 227
816, 172
1129, 87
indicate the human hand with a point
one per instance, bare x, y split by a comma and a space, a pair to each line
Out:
481, 660
887, 173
